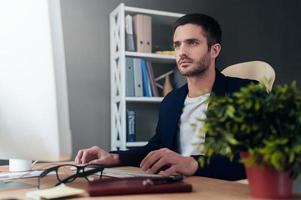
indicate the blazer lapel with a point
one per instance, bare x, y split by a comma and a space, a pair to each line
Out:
176, 109
219, 86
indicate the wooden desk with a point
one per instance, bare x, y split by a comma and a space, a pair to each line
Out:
203, 188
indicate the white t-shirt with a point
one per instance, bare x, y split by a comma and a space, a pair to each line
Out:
190, 142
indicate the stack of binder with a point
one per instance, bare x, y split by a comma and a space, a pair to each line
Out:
140, 39
140, 78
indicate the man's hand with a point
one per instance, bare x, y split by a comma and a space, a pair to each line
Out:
170, 161
96, 155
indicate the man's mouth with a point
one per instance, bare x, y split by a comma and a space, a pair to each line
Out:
185, 61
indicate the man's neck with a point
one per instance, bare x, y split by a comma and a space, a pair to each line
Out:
201, 84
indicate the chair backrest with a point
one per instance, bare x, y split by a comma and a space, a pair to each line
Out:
255, 70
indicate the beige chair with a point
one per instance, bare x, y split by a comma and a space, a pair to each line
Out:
255, 70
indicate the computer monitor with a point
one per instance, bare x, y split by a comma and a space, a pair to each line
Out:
34, 114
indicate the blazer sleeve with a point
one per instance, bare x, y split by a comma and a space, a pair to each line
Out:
221, 167
133, 157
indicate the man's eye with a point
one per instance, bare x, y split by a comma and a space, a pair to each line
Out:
192, 43
176, 45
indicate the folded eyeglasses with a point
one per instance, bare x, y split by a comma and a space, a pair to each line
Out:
67, 173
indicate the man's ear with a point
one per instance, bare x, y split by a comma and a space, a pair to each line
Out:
215, 50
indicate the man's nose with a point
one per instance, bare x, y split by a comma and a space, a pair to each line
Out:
183, 51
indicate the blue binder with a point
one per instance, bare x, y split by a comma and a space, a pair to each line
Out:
147, 91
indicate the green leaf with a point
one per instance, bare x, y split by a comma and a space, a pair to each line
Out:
268, 125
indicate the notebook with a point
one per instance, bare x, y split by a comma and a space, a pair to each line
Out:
134, 185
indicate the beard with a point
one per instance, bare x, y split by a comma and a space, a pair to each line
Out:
198, 67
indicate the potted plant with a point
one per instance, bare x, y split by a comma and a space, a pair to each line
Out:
265, 128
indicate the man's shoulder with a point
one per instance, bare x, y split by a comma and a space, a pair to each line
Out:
177, 94
234, 83
181, 91
230, 85
239, 81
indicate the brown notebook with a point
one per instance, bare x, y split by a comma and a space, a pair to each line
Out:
134, 185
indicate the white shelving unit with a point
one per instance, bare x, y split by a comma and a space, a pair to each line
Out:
152, 56
144, 99
119, 100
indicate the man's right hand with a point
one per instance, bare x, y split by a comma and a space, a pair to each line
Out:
96, 155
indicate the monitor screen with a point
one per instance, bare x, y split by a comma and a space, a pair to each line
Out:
34, 114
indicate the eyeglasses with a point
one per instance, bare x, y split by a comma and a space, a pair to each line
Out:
67, 173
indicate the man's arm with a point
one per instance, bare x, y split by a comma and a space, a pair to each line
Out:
133, 157
221, 167
163, 135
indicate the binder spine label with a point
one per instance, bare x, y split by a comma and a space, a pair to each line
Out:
131, 126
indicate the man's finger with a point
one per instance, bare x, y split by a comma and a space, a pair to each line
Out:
169, 171
78, 157
86, 156
151, 154
97, 162
150, 160
146, 158
162, 162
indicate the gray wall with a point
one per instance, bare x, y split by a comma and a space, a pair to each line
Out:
253, 30
266, 30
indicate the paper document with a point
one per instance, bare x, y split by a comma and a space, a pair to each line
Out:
16, 175
121, 173
7, 176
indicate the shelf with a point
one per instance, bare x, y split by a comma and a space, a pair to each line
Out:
147, 108
144, 99
152, 56
158, 17
135, 144
152, 12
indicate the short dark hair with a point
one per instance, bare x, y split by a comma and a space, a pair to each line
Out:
210, 26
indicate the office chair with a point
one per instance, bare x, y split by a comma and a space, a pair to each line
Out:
255, 70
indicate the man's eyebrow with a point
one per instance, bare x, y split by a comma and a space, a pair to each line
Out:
192, 40
187, 40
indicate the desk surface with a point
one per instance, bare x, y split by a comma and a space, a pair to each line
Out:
203, 188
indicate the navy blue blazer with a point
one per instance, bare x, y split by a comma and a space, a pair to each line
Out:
167, 132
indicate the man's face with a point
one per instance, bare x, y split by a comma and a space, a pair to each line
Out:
192, 55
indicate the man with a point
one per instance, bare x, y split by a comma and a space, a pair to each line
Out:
197, 43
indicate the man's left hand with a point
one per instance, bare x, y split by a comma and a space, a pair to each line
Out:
170, 161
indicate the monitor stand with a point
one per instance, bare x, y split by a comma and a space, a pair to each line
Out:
19, 165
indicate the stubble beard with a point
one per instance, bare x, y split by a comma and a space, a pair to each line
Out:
199, 68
